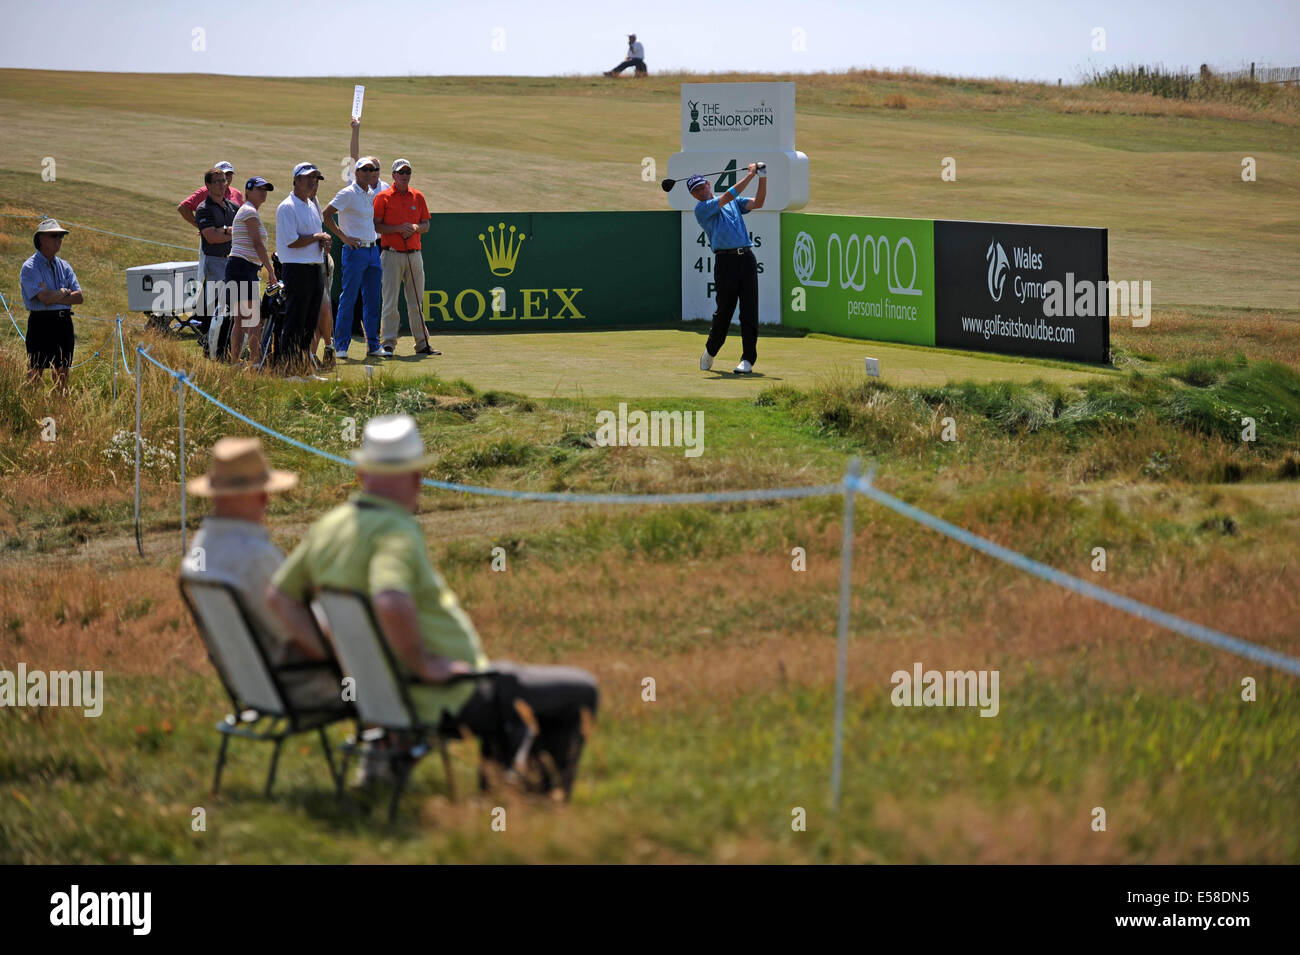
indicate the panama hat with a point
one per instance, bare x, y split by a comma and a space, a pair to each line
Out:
49, 227
391, 444
240, 467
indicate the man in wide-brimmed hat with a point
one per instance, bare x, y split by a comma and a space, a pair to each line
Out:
234, 547
50, 289
373, 544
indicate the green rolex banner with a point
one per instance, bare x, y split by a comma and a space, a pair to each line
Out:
858, 276
536, 271
546, 271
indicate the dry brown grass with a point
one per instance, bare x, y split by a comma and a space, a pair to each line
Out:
763, 626
1178, 334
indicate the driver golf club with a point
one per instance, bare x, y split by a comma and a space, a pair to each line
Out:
668, 184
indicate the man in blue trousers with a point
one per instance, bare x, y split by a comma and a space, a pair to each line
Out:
362, 270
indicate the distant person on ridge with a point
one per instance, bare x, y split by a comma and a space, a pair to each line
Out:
635, 58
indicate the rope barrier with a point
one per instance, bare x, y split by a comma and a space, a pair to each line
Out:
133, 238
852, 482
123, 345
1186, 628
12, 319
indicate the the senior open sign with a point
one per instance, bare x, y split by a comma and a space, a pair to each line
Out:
551, 271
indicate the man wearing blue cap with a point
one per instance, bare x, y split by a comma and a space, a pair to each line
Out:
735, 270
300, 242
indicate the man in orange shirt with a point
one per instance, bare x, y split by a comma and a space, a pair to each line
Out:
401, 217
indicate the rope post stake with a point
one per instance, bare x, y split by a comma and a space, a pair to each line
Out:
117, 334
842, 649
139, 542
180, 389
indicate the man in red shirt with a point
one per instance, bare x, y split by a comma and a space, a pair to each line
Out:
401, 217
190, 205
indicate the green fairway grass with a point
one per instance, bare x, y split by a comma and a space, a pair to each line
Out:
665, 364
1163, 176
1142, 461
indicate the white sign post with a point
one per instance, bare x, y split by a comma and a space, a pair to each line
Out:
698, 298
358, 98
726, 126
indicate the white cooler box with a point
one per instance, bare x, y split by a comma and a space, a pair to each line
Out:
166, 288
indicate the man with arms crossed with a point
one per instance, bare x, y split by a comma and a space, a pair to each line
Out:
49, 289
735, 270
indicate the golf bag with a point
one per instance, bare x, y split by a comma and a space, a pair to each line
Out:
217, 345
273, 316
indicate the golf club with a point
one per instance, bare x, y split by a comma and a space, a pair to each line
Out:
668, 184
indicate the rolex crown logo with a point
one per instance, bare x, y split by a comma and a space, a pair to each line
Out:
502, 250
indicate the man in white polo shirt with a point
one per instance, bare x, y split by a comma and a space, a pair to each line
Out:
300, 242
362, 269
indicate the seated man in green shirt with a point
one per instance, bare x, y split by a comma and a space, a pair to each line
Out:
374, 544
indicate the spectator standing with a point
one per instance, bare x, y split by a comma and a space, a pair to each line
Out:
300, 242
215, 218
49, 288
361, 262
248, 250
189, 206
401, 217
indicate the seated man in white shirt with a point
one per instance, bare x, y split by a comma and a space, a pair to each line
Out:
234, 548
635, 58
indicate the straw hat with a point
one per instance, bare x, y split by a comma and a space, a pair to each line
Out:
49, 227
240, 467
391, 444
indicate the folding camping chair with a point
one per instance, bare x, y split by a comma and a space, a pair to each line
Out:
264, 709
382, 699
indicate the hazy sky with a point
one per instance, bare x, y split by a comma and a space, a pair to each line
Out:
1036, 39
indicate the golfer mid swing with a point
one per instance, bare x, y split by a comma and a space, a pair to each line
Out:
735, 270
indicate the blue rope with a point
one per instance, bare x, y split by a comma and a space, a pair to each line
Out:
1186, 628
129, 372
134, 238
864, 486
12, 319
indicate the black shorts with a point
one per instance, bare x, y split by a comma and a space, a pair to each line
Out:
50, 339
244, 274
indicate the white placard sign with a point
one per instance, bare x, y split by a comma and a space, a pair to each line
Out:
698, 294
787, 177
358, 98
